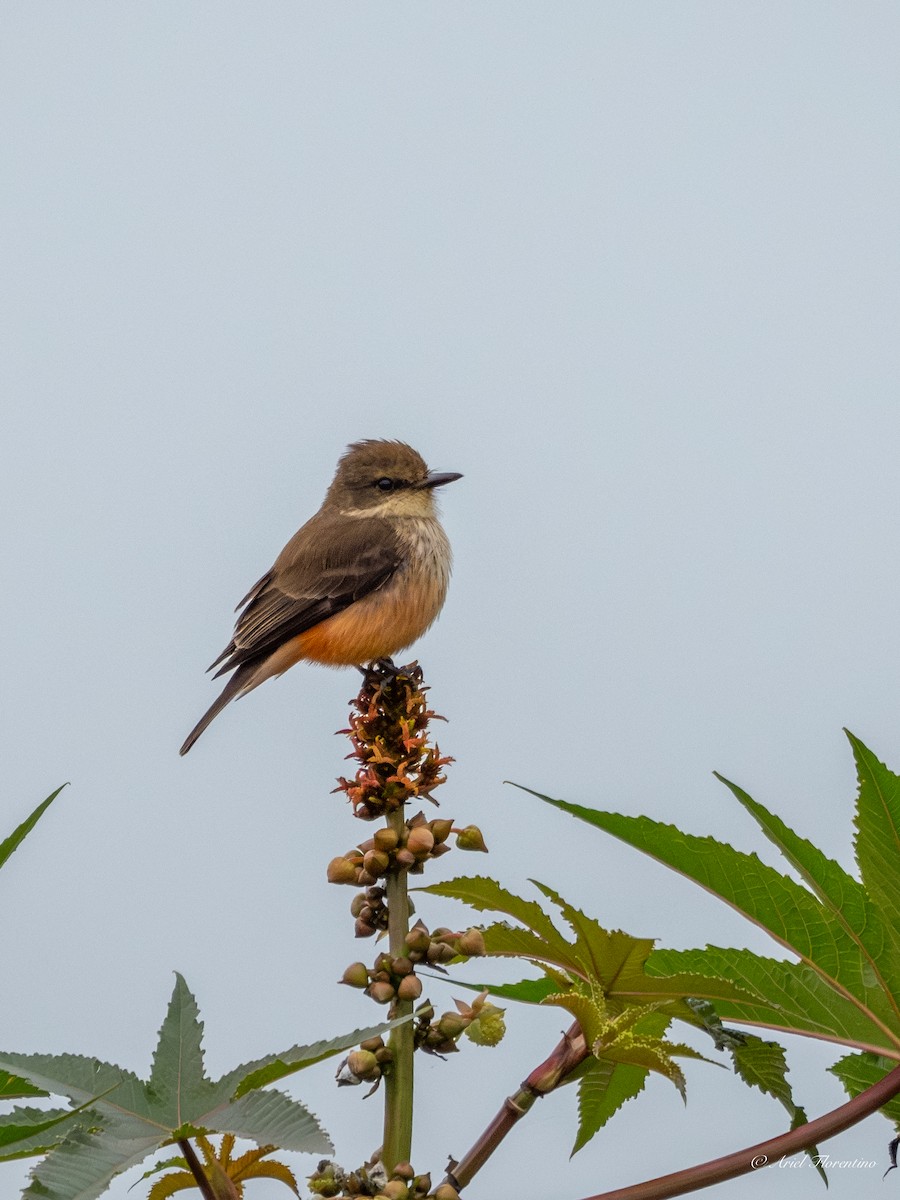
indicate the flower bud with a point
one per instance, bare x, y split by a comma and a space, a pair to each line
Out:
364, 879
440, 952
403, 1170
374, 1044
409, 988
445, 1192
363, 1064
381, 993
375, 863
440, 829
420, 841
441, 848
404, 859
363, 929
356, 975
384, 1055
471, 943
401, 966
386, 840
422, 1184
418, 938
451, 1024
395, 1189
341, 870
357, 904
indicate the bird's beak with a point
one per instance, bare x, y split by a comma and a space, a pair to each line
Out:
437, 479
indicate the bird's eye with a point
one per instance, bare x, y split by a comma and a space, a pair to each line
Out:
385, 484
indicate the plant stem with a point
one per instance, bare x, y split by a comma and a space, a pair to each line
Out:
398, 1098
567, 1055
196, 1169
754, 1157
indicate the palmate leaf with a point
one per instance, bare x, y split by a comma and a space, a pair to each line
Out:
614, 961
18, 835
846, 985
131, 1119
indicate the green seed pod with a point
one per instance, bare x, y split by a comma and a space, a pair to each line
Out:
471, 838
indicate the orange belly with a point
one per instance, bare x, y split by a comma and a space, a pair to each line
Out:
375, 627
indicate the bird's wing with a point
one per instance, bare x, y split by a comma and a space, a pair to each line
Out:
326, 566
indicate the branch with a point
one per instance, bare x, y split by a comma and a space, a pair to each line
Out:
196, 1169
730, 1166
571, 1051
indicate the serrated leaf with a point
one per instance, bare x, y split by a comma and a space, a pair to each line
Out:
25, 1132
857, 1072
132, 1119
602, 1090
83, 1166
274, 1067
177, 1079
792, 997
791, 914
528, 991
844, 898
18, 835
486, 895
878, 830
271, 1169
12, 1087
272, 1117
178, 1181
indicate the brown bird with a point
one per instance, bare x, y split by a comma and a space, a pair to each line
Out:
362, 580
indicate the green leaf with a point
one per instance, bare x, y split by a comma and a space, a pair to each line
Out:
14, 1088
177, 1081
21, 832
528, 991
794, 916
878, 831
845, 899
131, 1119
792, 998
271, 1117
857, 1072
24, 1131
602, 1090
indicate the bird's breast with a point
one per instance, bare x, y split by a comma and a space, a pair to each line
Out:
397, 614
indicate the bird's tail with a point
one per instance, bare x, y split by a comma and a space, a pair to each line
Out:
237, 684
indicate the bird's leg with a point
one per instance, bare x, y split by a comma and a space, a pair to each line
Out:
378, 669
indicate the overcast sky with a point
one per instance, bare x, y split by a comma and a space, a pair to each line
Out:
633, 269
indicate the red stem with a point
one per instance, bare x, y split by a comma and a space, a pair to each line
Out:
744, 1161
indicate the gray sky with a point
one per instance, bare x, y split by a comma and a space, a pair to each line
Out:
633, 270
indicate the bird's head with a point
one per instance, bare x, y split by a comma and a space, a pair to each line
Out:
385, 479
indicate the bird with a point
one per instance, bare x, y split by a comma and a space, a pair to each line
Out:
363, 579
